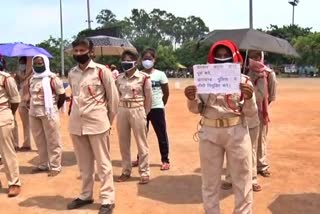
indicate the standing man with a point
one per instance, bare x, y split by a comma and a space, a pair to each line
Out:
23, 79
95, 103
223, 130
264, 81
9, 102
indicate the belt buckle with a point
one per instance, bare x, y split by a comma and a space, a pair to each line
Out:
219, 123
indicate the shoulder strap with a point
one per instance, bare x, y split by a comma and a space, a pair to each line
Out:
100, 74
4, 84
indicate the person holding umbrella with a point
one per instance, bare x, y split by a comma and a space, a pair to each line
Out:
265, 83
9, 102
224, 130
47, 96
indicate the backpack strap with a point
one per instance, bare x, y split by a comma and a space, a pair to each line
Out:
52, 85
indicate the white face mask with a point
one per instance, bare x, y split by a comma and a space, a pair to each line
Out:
22, 67
147, 64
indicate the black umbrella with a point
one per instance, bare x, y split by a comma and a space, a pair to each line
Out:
250, 39
108, 46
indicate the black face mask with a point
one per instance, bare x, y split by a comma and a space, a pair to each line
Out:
126, 66
219, 61
39, 69
82, 59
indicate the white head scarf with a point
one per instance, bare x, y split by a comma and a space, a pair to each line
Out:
46, 78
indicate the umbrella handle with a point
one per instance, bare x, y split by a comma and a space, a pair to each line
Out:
245, 62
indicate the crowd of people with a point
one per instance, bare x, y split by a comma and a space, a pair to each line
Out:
234, 125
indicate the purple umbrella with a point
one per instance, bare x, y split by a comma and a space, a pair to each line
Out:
21, 49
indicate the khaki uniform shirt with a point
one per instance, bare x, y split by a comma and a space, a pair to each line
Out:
8, 94
219, 106
37, 105
260, 93
135, 88
94, 101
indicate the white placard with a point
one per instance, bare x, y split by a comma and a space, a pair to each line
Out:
223, 78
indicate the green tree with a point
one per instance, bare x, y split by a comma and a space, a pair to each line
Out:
190, 53
166, 58
106, 18
309, 48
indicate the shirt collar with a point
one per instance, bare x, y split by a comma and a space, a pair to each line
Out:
91, 64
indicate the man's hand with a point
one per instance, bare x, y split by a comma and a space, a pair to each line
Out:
246, 90
190, 92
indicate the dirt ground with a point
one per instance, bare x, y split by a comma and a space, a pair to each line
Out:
294, 155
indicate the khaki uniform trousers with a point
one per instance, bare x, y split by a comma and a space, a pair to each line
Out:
24, 115
46, 135
135, 119
9, 156
254, 136
235, 142
89, 148
15, 133
262, 163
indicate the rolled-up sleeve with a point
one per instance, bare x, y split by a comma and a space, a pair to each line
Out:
112, 95
272, 86
12, 90
58, 86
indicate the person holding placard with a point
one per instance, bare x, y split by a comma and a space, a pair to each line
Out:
224, 130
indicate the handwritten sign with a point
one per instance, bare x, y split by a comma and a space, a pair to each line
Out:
221, 78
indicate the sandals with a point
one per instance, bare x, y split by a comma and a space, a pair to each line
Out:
165, 166
144, 180
123, 178
39, 170
135, 163
265, 173
256, 188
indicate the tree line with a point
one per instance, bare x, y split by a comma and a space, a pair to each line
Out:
176, 39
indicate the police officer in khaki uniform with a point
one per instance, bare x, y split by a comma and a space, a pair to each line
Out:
264, 81
47, 96
23, 79
135, 103
94, 106
224, 130
9, 102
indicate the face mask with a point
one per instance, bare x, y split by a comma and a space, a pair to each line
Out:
22, 67
82, 59
39, 69
147, 64
126, 66
224, 60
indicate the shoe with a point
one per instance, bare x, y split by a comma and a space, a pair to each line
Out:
226, 185
53, 173
256, 188
265, 173
165, 166
39, 170
144, 180
135, 163
16, 148
13, 191
123, 178
25, 149
77, 203
106, 209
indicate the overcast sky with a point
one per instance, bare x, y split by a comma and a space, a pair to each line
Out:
33, 21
